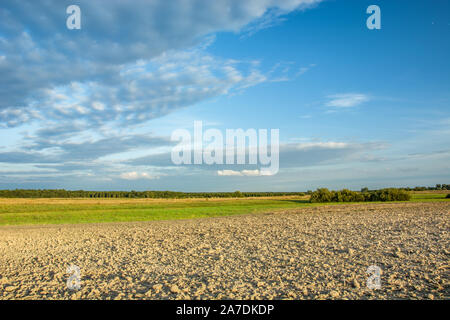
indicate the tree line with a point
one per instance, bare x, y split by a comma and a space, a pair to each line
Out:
61, 193
345, 195
437, 187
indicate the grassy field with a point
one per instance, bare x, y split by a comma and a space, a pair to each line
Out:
63, 211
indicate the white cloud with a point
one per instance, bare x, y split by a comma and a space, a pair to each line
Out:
151, 88
118, 36
324, 145
303, 70
144, 90
253, 173
137, 175
347, 100
228, 173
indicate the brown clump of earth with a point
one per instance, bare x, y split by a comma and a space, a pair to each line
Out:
310, 253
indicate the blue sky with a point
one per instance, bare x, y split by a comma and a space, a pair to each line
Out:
95, 108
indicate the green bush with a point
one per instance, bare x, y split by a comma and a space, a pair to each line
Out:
345, 195
390, 195
321, 195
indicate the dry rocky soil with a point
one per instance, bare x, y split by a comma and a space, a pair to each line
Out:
310, 253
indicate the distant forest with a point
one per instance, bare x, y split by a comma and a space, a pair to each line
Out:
61, 193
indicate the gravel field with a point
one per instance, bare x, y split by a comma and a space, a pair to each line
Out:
309, 253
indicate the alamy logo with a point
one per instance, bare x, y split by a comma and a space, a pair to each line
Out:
374, 20
74, 280
210, 148
74, 20
374, 280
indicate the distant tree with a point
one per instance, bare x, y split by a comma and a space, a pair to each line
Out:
238, 194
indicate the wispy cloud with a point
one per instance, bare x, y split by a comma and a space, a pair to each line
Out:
151, 49
85, 116
275, 16
253, 173
346, 100
303, 70
137, 175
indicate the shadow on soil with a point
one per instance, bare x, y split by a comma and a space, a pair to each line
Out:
296, 201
